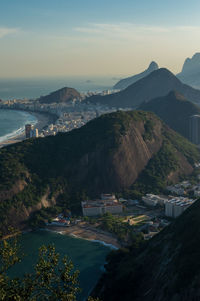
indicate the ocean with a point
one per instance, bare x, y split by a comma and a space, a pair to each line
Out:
35, 87
12, 123
88, 257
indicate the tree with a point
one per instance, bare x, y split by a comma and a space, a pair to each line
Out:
52, 279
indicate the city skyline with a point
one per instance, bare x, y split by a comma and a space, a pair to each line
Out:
89, 38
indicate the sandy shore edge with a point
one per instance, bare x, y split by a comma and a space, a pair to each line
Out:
88, 233
43, 119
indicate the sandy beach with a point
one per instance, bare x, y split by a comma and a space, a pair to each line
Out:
43, 120
88, 232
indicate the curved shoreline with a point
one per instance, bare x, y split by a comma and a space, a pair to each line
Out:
88, 233
43, 119
28, 118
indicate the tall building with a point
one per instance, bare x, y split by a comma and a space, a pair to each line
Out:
34, 133
177, 205
28, 129
194, 129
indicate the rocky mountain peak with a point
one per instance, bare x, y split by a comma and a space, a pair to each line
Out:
192, 65
153, 66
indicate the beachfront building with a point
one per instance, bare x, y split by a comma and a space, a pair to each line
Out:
28, 129
107, 203
34, 133
176, 206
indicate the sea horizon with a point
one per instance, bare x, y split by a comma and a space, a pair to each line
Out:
20, 88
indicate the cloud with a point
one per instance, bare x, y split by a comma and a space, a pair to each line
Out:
120, 30
4, 31
131, 31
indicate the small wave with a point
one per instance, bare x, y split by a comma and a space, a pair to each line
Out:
105, 244
54, 231
12, 135
96, 241
29, 119
79, 237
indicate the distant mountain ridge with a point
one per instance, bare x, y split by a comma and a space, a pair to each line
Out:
157, 83
62, 95
190, 73
174, 110
124, 83
192, 65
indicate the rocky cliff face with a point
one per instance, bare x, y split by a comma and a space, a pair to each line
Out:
124, 83
17, 217
121, 165
106, 155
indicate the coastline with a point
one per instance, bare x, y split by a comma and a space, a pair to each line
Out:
86, 232
43, 119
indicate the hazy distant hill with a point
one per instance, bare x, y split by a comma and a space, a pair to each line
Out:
62, 95
174, 110
190, 73
157, 83
166, 267
124, 83
106, 155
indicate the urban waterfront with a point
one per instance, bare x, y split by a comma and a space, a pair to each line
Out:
12, 123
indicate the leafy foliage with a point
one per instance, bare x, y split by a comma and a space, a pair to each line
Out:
124, 232
53, 278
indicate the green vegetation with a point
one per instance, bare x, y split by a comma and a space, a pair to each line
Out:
167, 266
174, 110
53, 278
117, 225
38, 218
64, 168
153, 179
148, 126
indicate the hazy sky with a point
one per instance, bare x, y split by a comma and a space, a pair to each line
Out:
95, 37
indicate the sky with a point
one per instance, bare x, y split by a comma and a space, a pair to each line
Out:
95, 37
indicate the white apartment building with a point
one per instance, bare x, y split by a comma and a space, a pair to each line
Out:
176, 206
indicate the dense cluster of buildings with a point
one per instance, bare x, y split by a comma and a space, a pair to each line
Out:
173, 206
185, 188
107, 203
70, 115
